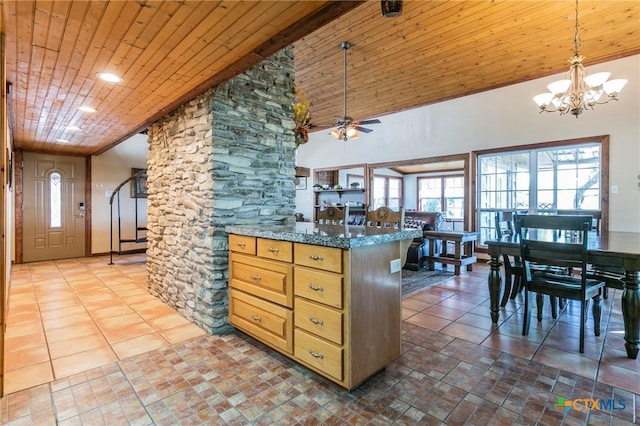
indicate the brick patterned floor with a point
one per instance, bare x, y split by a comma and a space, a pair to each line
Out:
439, 379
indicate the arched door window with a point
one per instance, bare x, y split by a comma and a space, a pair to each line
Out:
55, 200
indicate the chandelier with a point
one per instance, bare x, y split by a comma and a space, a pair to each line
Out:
579, 91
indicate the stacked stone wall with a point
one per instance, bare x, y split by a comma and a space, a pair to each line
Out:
226, 157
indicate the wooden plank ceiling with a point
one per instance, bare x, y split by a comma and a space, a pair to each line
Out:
170, 51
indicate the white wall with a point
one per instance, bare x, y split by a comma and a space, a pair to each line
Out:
108, 170
499, 118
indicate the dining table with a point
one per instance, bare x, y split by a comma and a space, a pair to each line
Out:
612, 249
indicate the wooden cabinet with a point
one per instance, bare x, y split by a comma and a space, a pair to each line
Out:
335, 311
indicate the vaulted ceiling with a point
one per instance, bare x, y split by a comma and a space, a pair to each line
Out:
170, 51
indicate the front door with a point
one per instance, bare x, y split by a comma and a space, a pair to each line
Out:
53, 207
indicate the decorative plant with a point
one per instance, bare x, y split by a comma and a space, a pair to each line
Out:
302, 118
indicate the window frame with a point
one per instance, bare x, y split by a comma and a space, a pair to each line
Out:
386, 179
443, 197
603, 140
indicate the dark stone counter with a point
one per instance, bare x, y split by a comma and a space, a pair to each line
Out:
340, 236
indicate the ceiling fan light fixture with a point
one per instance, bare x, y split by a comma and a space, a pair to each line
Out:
346, 125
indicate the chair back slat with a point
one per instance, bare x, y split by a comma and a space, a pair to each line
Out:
559, 241
385, 217
333, 215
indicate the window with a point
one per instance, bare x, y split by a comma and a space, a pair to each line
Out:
387, 192
442, 194
55, 200
538, 181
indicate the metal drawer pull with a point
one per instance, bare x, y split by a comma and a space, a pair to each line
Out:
256, 277
316, 321
243, 245
314, 257
316, 287
255, 318
315, 355
273, 249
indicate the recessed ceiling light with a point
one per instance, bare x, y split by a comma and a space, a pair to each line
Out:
87, 109
110, 77
63, 141
73, 128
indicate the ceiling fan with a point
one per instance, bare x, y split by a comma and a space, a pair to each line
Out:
348, 128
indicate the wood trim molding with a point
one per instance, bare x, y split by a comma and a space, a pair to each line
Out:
18, 216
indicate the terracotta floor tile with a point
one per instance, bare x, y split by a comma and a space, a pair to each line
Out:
133, 374
119, 321
444, 312
414, 304
621, 377
138, 345
27, 377
25, 342
57, 313
477, 321
75, 345
66, 321
168, 321
458, 304
72, 364
428, 321
511, 345
15, 360
72, 331
618, 356
182, 333
406, 313
24, 329
568, 361
152, 310
112, 311
466, 332
127, 333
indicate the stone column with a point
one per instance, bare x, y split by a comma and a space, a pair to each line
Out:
226, 157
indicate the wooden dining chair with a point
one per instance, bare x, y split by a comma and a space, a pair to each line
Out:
385, 217
333, 215
540, 244
513, 269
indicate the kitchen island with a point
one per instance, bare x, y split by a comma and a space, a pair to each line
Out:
326, 296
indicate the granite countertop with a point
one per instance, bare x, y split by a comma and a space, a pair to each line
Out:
340, 236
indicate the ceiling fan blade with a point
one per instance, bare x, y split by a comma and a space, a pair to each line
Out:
363, 129
374, 121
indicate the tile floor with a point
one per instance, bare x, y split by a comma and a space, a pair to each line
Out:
119, 356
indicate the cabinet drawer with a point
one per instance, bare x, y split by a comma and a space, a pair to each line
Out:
276, 250
319, 320
263, 278
242, 244
326, 258
319, 286
266, 321
320, 354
